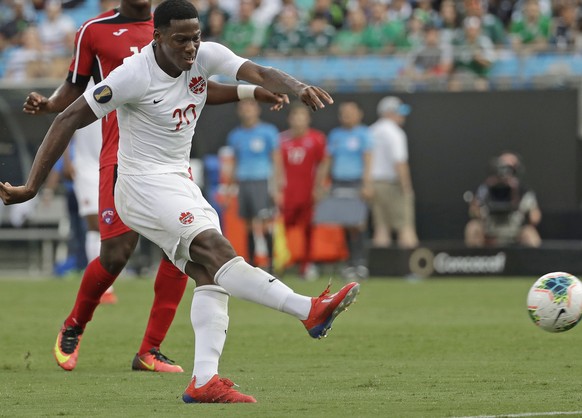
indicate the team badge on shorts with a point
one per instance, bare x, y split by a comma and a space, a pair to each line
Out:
197, 85
102, 94
186, 218
107, 216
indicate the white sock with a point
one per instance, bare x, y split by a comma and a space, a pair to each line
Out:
253, 284
92, 244
209, 316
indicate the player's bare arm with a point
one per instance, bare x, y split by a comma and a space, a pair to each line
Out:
76, 116
219, 93
279, 82
63, 96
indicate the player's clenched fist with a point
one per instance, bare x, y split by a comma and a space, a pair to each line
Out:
35, 103
15, 194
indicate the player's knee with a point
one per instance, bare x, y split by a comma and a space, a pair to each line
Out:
115, 253
211, 249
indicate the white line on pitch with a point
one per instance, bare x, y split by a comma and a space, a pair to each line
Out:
527, 414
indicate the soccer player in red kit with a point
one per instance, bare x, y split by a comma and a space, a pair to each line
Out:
303, 151
101, 44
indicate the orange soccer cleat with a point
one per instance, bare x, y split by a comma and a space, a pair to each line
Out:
217, 390
66, 348
326, 307
154, 361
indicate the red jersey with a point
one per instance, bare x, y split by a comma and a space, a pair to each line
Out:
301, 156
101, 45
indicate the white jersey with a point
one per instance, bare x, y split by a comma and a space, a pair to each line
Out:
390, 146
157, 113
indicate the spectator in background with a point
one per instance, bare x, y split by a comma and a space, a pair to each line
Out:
214, 28
57, 32
531, 32
21, 18
393, 198
319, 35
255, 145
502, 9
474, 55
426, 10
566, 32
287, 34
432, 61
399, 10
504, 209
414, 34
303, 176
380, 35
448, 22
491, 26
211, 18
333, 12
28, 61
348, 162
266, 11
241, 34
350, 39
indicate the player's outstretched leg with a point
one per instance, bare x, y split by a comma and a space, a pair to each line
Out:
255, 285
66, 349
325, 308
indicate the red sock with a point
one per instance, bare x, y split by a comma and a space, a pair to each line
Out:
96, 280
169, 287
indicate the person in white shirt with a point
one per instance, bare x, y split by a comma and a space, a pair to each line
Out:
393, 195
159, 95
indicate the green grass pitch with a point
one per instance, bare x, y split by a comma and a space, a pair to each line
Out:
436, 348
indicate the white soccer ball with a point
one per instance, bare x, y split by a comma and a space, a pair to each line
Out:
554, 302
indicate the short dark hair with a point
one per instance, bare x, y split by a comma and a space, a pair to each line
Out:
173, 10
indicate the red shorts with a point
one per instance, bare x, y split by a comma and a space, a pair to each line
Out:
297, 215
110, 226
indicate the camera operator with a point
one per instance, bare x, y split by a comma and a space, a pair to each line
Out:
504, 210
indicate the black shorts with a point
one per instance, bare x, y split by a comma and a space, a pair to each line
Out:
254, 200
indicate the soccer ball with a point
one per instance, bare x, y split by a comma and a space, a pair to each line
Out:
554, 302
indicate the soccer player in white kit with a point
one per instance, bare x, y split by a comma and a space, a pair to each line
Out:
159, 95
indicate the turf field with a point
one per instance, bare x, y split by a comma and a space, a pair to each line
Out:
438, 348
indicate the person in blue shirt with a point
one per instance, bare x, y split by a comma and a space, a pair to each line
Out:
348, 162
255, 146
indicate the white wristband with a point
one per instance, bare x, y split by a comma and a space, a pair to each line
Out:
245, 91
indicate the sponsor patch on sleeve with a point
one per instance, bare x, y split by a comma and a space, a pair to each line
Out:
102, 94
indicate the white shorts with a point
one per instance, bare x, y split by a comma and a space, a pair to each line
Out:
86, 186
167, 209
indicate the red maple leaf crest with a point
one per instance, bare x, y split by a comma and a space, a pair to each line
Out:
197, 85
186, 218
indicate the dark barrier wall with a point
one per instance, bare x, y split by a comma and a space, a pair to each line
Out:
452, 137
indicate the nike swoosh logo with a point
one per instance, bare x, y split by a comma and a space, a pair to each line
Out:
562, 311
61, 358
120, 32
150, 367
157, 101
272, 280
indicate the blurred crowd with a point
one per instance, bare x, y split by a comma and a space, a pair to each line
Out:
458, 39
